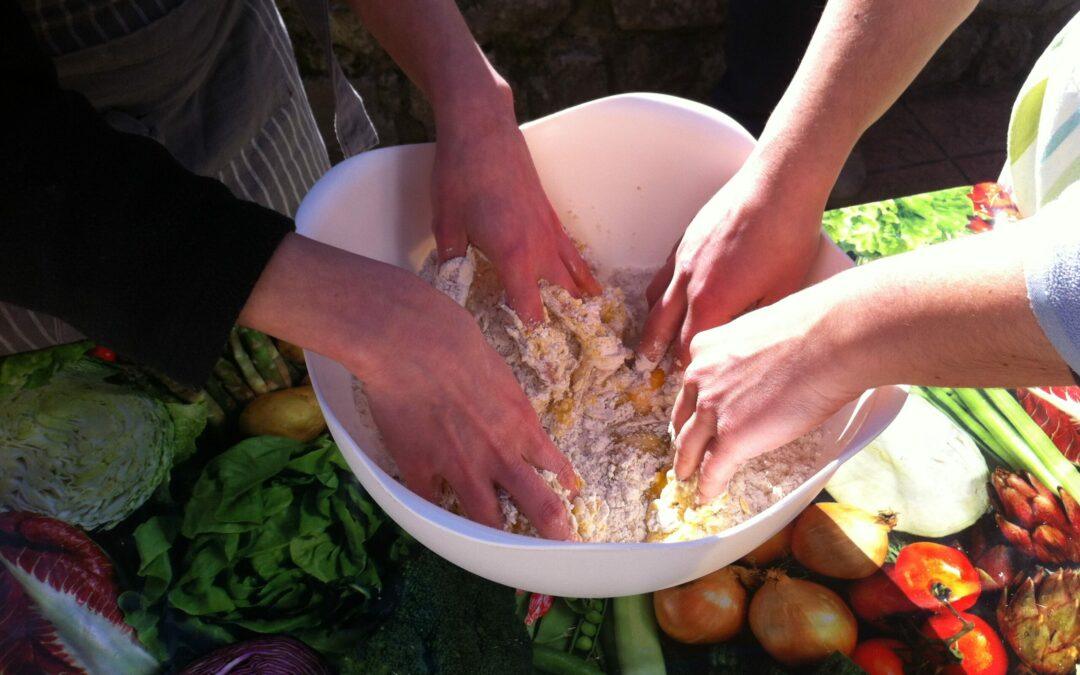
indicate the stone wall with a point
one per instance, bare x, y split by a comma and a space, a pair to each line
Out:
557, 53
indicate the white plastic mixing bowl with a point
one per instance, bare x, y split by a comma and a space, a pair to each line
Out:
626, 174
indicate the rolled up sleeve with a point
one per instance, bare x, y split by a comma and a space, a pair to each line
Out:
1052, 272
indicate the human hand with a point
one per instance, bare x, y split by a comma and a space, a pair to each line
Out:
446, 404
750, 245
757, 383
450, 410
487, 192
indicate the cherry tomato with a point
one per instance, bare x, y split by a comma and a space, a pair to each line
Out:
102, 353
924, 570
880, 656
980, 649
878, 596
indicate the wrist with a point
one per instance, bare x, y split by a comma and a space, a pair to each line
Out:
797, 167
486, 102
839, 338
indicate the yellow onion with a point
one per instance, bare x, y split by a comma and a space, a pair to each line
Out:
774, 548
706, 610
841, 541
799, 622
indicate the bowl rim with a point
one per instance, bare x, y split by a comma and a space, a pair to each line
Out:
858, 410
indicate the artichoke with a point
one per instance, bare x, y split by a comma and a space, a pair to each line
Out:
1044, 525
1041, 621
84, 441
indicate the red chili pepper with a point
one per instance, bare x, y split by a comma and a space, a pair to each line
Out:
103, 353
539, 605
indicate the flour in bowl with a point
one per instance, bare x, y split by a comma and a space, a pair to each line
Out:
607, 416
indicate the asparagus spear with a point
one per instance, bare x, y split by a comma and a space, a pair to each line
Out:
266, 358
243, 362
215, 416
232, 381
217, 394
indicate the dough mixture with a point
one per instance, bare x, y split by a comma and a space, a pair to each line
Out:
608, 416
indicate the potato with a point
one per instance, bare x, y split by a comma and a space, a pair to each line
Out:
293, 413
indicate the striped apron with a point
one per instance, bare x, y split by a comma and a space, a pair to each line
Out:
214, 81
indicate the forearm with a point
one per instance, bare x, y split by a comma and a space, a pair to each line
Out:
430, 41
955, 314
350, 308
863, 55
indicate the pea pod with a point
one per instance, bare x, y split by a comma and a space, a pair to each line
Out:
557, 662
637, 638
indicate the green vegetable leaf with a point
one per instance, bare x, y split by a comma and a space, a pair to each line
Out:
84, 441
276, 537
871, 231
34, 369
189, 420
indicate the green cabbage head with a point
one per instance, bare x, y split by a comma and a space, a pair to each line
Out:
85, 441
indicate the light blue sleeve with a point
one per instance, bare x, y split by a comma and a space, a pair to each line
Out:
1052, 270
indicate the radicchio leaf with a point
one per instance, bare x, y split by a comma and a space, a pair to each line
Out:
58, 611
1058, 424
271, 655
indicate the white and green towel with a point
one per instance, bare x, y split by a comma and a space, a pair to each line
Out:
1044, 131
1043, 169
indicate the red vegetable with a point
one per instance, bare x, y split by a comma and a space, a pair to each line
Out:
878, 596
928, 573
880, 656
58, 602
539, 605
102, 353
972, 641
997, 567
271, 655
1058, 424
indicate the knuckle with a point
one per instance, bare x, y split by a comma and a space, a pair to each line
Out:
550, 511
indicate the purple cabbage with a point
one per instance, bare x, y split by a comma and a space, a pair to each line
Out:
271, 655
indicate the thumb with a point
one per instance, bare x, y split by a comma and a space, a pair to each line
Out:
451, 240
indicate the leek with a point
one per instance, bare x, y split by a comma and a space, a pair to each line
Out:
1002, 427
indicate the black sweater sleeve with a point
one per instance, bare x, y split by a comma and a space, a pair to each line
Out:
106, 231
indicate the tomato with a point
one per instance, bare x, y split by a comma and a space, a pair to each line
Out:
924, 568
878, 596
980, 649
880, 656
102, 353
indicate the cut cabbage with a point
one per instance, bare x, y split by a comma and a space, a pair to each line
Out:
924, 468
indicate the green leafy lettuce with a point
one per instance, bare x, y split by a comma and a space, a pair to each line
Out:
871, 231
277, 537
84, 441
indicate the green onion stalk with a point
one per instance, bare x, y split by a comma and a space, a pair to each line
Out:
1003, 428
